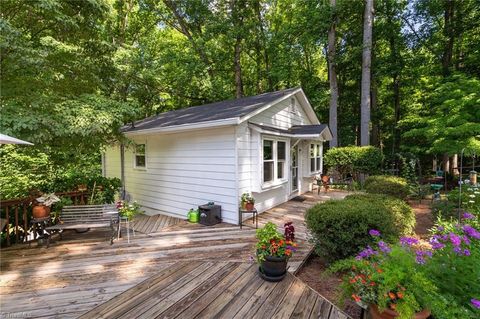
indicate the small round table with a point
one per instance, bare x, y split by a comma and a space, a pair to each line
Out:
245, 211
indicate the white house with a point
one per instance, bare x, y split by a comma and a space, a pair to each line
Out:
270, 145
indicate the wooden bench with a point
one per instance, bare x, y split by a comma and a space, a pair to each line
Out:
88, 216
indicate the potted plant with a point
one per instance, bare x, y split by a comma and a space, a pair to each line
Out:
273, 250
247, 201
390, 279
42, 209
128, 210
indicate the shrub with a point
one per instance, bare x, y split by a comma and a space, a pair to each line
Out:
470, 198
388, 185
340, 227
443, 209
354, 159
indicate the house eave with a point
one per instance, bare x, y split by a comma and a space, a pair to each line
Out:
320, 136
185, 127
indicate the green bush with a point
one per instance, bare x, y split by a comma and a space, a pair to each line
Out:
470, 198
444, 209
340, 227
388, 185
354, 159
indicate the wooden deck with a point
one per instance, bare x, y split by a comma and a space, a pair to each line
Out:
83, 271
216, 290
153, 224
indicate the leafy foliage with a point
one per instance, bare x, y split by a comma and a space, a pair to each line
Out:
354, 159
340, 228
388, 185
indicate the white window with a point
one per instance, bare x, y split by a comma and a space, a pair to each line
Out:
140, 160
293, 106
274, 159
315, 158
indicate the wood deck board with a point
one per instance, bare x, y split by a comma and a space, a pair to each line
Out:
83, 272
203, 293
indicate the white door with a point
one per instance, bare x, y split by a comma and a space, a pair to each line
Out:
294, 168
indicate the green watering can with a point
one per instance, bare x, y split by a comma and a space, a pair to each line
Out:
193, 216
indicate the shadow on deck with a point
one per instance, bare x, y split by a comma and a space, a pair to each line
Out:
84, 271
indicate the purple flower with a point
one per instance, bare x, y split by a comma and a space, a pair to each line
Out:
384, 247
408, 241
420, 256
475, 303
466, 252
437, 245
440, 228
457, 250
367, 252
466, 240
374, 232
471, 232
455, 239
468, 216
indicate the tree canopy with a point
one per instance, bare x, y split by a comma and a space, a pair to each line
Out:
74, 71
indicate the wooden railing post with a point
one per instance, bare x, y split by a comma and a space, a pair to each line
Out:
8, 224
17, 237
25, 223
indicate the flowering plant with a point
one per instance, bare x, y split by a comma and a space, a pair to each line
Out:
48, 199
247, 198
455, 265
129, 210
272, 243
389, 276
442, 275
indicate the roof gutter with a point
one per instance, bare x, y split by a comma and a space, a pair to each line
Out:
302, 136
185, 127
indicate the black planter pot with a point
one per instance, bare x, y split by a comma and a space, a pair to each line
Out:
274, 267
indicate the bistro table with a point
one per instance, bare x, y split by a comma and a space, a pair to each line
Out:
246, 211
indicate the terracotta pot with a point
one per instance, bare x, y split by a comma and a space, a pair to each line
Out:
249, 206
390, 314
40, 211
244, 204
274, 266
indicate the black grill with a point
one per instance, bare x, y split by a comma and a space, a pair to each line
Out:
210, 214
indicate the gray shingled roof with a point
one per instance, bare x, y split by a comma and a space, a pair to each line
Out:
296, 129
208, 112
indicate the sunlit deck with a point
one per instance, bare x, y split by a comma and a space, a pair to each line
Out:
83, 271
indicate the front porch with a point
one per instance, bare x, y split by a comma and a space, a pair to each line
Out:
83, 271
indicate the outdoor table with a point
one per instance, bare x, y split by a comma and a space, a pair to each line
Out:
245, 211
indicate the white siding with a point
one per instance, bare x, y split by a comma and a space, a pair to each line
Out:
249, 143
184, 170
281, 115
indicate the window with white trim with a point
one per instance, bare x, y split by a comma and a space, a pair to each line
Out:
274, 159
140, 160
315, 157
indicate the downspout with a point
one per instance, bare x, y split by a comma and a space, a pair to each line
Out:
122, 169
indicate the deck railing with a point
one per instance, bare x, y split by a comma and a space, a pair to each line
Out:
17, 214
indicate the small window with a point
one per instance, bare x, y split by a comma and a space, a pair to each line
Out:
281, 156
274, 158
315, 157
268, 162
140, 158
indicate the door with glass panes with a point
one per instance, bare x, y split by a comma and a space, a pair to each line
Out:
294, 168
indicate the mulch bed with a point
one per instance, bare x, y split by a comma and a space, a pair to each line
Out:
312, 273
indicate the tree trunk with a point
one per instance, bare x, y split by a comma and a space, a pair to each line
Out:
375, 139
238, 68
237, 21
455, 170
366, 74
332, 75
449, 36
446, 163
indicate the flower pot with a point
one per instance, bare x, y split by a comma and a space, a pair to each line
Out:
244, 205
40, 211
249, 206
390, 314
274, 266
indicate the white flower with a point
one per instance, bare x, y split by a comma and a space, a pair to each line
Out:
472, 196
471, 201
